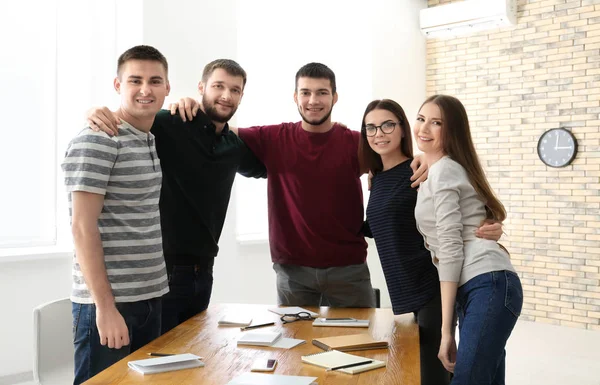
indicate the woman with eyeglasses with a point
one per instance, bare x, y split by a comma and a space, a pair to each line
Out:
411, 278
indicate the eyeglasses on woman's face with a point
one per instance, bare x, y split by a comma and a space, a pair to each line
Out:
385, 127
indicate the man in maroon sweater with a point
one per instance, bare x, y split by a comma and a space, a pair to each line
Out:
315, 200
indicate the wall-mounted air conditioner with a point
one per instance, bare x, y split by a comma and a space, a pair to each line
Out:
467, 16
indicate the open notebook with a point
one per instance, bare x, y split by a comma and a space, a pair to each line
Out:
166, 364
334, 358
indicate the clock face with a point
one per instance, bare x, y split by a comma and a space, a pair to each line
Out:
557, 147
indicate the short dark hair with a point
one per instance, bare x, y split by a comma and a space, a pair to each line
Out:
316, 71
142, 52
230, 66
372, 159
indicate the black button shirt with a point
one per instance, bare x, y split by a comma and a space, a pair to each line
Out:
199, 168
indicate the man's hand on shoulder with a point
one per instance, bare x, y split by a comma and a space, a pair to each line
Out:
103, 119
187, 108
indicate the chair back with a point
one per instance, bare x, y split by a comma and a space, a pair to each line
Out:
53, 343
377, 294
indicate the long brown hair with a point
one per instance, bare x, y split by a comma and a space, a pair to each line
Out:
371, 158
458, 144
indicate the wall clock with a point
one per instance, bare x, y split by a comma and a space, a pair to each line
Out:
557, 147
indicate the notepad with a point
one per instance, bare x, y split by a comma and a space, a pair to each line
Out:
334, 358
349, 343
235, 320
271, 379
357, 323
166, 364
259, 338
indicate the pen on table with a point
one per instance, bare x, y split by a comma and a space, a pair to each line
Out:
350, 365
167, 355
257, 326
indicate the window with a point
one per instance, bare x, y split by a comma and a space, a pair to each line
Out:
27, 148
54, 67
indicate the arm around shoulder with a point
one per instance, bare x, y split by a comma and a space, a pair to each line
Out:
250, 166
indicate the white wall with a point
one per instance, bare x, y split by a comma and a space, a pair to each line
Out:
191, 34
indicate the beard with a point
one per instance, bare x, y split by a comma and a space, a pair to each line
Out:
210, 109
316, 122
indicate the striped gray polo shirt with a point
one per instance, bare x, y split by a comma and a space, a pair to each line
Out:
126, 170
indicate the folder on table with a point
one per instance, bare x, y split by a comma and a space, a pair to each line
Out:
334, 359
166, 364
349, 343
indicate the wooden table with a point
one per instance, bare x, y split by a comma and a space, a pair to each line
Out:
224, 360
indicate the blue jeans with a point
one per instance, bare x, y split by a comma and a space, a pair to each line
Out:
143, 322
189, 293
488, 307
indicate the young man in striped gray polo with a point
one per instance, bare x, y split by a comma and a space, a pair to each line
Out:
114, 186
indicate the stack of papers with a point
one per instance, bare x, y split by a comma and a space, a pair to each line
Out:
271, 379
271, 339
342, 362
166, 364
346, 323
235, 320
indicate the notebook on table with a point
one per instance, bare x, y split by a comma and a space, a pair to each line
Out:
270, 339
166, 364
349, 343
334, 359
235, 320
271, 379
346, 323
259, 338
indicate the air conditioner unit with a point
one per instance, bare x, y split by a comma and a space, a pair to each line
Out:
467, 17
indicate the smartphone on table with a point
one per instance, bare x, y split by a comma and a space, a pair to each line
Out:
264, 365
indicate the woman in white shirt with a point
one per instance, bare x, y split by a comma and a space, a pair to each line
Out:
477, 279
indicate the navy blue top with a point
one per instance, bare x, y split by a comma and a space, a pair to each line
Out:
411, 277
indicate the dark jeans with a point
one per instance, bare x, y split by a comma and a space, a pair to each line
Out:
143, 322
429, 318
488, 307
343, 286
189, 293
